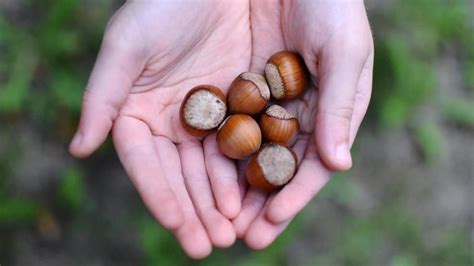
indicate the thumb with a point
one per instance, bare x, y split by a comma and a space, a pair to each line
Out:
116, 68
340, 68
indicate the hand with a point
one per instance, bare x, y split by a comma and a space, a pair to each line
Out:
153, 52
335, 41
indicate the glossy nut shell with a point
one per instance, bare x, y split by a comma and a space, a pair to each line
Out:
248, 94
239, 136
286, 75
279, 126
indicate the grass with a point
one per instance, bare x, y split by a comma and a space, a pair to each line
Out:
430, 140
17, 210
459, 111
71, 192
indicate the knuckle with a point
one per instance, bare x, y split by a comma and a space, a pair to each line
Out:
92, 99
165, 196
343, 113
355, 45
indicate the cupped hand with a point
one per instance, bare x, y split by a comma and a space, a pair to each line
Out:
152, 53
335, 41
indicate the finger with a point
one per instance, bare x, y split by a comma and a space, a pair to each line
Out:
261, 233
362, 98
115, 70
242, 179
191, 235
254, 199
219, 228
300, 146
308, 181
266, 39
251, 206
193, 238
342, 60
136, 150
223, 177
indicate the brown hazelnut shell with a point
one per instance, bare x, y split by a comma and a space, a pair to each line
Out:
278, 126
255, 170
286, 75
239, 136
196, 131
248, 94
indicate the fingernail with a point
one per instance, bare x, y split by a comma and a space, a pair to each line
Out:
342, 153
77, 139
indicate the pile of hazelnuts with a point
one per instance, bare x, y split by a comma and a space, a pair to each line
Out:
204, 108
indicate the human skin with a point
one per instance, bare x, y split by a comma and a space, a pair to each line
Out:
153, 52
335, 41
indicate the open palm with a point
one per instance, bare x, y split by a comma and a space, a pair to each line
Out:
152, 54
334, 39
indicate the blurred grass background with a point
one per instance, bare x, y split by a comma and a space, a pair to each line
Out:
408, 201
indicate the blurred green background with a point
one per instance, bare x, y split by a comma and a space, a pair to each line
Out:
408, 201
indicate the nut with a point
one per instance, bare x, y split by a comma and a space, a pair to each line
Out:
239, 136
286, 75
273, 166
248, 94
202, 110
279, 126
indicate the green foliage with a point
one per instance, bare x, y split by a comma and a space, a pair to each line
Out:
364, 236
390, 234
403, 260
56, 40
460, 111
274, 255
24, 61
71, 191
442, 20
468, 44
159, 246
469, 73
10, 152
14, 210
358, 243
429, 138
321, 260
340, 188
43, 63
404, 71
454, 249
402, 84
66, 90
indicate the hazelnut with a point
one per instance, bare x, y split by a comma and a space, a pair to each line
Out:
271, 167
279, 126
202, 110
248, 94
286, 75
239, 136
